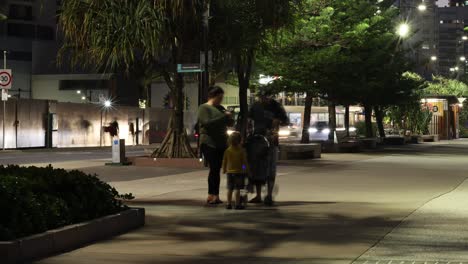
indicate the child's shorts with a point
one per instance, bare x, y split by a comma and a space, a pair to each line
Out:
236, 181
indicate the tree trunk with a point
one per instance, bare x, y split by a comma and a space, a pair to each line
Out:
368, 117
346, 120
244, 106
306, 124
148, 95
176, 143
379, 119
244, 69
331, 120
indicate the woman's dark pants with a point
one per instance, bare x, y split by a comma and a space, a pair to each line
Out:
214, 158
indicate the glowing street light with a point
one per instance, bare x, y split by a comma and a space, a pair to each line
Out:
462, 58
78, 92
422, 7
403, 30
107, 103
433, 58
464, 38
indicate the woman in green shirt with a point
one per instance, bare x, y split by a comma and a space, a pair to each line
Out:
213, 120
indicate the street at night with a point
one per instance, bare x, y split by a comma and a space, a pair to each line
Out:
402, 204
234, 131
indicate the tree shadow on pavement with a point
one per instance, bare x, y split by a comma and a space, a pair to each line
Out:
259, 233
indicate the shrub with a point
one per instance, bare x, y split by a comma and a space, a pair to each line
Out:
33, 200
361, 128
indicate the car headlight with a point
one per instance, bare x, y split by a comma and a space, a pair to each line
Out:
352, 129
284, 133
230, 131
313, 130
326, 131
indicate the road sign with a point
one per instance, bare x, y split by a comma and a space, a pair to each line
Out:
5, 79
185, 68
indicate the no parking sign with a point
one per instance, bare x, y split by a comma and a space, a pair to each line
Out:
5, 79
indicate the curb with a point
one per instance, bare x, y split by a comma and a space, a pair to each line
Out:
70, 237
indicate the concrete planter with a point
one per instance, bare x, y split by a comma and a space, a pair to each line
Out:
293, 151
395, 140
416, 139
368, 143
70, 237
430, 138
169, 163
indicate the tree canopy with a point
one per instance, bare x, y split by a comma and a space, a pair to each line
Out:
240, 29
344, 51
445, 86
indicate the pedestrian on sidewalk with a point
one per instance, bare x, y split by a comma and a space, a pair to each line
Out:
213, 120
266, 116
235, 167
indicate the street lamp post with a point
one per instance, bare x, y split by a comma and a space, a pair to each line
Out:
4, 104
105, 106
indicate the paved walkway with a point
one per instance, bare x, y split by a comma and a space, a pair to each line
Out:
343, 208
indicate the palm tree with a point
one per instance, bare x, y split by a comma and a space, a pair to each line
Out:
145, 38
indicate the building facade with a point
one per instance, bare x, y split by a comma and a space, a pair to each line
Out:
420, 15
28, 27
452, 39
32, 39
454, 3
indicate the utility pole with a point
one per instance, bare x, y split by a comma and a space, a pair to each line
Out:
206, 70
4, 103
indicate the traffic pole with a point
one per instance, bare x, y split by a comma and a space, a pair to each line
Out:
4, 104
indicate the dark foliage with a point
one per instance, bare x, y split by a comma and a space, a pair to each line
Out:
33, 200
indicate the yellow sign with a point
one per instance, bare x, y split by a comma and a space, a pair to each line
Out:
437, 108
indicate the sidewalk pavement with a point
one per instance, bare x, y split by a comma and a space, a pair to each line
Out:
331, 210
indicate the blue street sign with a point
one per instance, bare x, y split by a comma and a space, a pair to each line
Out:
186, 68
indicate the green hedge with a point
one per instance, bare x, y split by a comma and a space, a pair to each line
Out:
33, 200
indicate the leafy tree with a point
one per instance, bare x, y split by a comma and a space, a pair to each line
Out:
146, 39
240, 29
343, 51
408, 113
444, 86
464, 119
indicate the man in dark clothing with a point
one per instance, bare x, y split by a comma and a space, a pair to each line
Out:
266, 116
